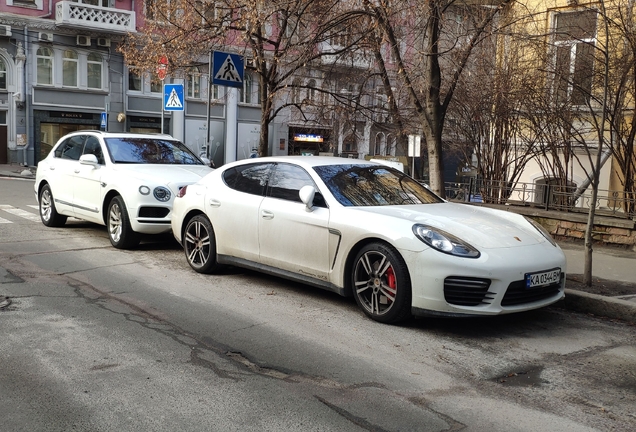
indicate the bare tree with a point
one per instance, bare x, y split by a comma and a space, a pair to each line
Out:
438, 56
279, 38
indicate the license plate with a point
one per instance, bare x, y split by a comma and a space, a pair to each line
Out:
543, 278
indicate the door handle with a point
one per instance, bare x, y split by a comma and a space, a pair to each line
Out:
215, 203
266, 214
77, 171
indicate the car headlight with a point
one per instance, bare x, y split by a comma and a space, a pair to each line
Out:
162, 193
542, 230
444, 242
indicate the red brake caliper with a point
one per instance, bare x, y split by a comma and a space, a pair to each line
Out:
390, 278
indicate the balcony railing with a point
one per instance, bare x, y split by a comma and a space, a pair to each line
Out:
549, 197
91, 17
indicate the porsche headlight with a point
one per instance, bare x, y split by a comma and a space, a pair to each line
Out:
162, 193
542, 230
444, 242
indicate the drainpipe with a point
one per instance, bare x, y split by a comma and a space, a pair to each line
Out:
26, 97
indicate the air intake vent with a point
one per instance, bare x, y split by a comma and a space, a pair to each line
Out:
517, 293
467, 291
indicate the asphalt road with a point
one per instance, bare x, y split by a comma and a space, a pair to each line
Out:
98, 339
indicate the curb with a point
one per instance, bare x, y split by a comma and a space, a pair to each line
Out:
599, 305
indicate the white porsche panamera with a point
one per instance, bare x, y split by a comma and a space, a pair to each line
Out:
364, 229
125, 181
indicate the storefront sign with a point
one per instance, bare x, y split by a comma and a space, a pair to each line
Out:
149, 120
308, 138
71, 115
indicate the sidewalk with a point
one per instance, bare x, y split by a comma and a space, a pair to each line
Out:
16, 170
607, 263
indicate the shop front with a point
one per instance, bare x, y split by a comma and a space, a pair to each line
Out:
50, 126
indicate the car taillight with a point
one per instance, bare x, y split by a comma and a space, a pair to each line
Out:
182, 192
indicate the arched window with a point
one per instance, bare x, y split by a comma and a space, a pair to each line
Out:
70, 65
194, 83
94, 65
296, 91
391, 142
3, 74
44, 58
311, 90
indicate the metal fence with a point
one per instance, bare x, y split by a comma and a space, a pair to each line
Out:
546, 196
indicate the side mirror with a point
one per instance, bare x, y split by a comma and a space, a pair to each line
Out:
88, 159
307, 194
207, 161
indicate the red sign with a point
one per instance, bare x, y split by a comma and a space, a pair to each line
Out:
162, 67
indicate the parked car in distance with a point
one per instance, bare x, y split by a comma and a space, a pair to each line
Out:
125, 181
365, 229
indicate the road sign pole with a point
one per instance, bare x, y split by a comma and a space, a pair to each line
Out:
162, 93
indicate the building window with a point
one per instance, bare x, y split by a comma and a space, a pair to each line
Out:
246, 95
216, 92
94, 66
156, 85
194, 84
574, 39
44, 59
134, 80
296, 91
3, 74
69, 69
311, 90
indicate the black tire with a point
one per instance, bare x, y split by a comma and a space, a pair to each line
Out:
381, 283
120, 232
199, 244
48, 213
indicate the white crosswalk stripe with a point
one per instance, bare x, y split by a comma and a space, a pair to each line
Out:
18, 212
34, 206
4, 221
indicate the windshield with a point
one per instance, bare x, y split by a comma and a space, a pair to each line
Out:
373, 185
134, 150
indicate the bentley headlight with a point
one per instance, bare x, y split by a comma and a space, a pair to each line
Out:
542, 230
444, 242
162, 193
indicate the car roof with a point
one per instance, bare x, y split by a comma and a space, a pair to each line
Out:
308, 161
120, 134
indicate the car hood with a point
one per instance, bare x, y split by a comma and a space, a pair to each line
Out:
164, 174
480, 226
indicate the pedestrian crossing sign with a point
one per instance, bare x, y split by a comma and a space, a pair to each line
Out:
173, 97
227, 69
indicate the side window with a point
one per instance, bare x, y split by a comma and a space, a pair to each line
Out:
71, 148
250, 179
92, 146
287, 182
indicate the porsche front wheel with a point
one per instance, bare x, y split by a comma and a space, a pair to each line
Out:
381, 283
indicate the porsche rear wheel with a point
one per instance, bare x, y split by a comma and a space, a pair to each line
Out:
199, 244
381, 283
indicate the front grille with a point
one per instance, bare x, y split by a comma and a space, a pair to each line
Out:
467, 291
153, 212
517, 293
